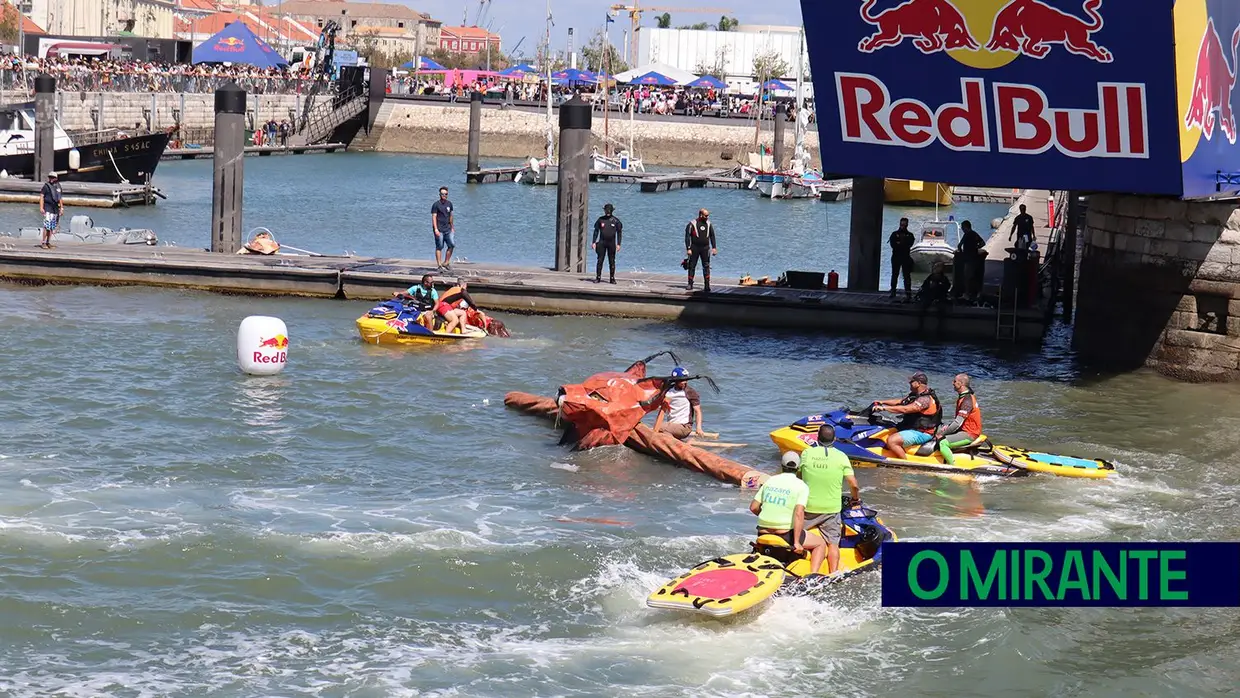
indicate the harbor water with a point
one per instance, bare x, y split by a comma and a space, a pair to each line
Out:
374, 522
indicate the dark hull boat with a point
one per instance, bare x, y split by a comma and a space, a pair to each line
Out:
123, 160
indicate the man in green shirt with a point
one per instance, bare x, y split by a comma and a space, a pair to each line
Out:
780, 508
824, 469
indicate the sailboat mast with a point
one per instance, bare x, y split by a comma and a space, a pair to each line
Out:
547, 57
606, 84
799, 138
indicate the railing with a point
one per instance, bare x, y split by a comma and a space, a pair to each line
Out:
328, 115
103, 81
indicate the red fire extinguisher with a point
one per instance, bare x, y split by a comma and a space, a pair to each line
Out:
833, 281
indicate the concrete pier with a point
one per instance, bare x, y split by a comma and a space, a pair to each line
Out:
865, 237
44, 126
572, 213
475, 132
229, 159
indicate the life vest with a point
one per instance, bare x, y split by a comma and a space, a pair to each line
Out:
930, 418
973, 422
424, 297
446, 297
700, 232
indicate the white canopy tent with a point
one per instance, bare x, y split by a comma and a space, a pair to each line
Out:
680, 76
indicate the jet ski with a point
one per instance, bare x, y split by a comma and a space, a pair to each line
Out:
862, 436
397, 322
732, 584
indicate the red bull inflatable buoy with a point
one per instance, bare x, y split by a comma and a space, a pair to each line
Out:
262, 345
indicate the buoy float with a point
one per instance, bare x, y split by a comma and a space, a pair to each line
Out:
262, 345
75, 159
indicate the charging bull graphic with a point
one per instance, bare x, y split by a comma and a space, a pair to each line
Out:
1213, 81
603, 409
1030, 26
933, 25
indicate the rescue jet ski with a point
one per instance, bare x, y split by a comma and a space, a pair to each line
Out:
395, 322
732, 584
862, 436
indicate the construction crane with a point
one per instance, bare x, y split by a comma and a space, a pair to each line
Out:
635, 17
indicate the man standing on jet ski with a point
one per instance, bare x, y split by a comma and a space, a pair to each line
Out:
923, 414
825, 469
966, 427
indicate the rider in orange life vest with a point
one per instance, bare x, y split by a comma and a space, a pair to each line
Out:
679, 404
924, 411
451, 308
966, 426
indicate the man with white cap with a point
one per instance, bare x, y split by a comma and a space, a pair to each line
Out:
51, 205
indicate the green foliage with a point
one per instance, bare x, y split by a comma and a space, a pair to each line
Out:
769, 64
599, 54
664, 21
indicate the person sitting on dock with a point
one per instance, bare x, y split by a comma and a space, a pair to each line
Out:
52, 206
423, 295
779, 505
923, 415
679, 404
825, 469
936, 288
966, 426
263, 243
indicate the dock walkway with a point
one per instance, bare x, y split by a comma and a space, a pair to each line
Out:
501, 287
260, 150
16, 190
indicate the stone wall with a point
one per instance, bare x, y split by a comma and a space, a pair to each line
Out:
511, 133
1160, 286
87, 111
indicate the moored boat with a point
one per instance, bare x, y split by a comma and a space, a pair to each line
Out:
110, 158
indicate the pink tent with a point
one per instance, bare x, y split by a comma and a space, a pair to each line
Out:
467, 77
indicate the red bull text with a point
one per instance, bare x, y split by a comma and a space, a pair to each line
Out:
1047, 94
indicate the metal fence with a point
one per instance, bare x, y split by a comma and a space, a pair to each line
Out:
80, 80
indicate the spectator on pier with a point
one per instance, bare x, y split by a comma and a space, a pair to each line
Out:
1022, 230
901, 241
606, 242
443, 225
52, 206
700, 244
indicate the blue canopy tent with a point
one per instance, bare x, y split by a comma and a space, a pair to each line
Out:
652, 78
519, 70
424, 63
708, 81
235, 43
770, 85
574, 75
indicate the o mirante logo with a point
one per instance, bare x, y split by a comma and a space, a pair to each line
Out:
1061, 574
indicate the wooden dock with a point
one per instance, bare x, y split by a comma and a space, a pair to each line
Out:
836, 190
491, 175
14, 190
700, 179
260, 150
500, 287
985, 195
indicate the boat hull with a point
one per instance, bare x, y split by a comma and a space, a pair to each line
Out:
110, 162
901, 192
781, 186
384, 331
926, 254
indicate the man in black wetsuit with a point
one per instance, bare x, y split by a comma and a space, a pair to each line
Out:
700, 244
606, 241
901, 242
1022, 230
970, 263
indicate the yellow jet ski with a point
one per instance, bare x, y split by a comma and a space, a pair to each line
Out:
392, 322
864, 440
732, 584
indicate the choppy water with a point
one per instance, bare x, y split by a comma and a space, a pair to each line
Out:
373, 522
377, 204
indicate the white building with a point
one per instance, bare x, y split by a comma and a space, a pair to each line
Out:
149, 18
697, 51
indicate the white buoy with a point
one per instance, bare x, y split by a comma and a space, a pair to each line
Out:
262, 345
75, 159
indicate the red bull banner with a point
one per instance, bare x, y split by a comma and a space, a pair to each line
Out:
1091, 95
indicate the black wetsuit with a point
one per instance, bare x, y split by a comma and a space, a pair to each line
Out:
607, 233
901, 242
699, 241
970, 265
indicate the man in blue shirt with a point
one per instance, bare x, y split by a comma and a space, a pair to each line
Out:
444, 226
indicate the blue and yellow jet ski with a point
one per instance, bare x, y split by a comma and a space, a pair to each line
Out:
732, 584
863, 438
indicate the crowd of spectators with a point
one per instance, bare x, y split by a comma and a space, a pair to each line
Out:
109, 75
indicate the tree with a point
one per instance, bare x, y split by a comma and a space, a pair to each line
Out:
664, 21
769, 64
727, 24
718, 68
600, 54
700, 26
10, 24
366, 43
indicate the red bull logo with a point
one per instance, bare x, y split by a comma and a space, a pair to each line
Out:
277, 342
231, 44
1213, 81
398, 324
1021, 27
1025, 121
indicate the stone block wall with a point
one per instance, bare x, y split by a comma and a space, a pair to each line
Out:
512, 133
1160, 286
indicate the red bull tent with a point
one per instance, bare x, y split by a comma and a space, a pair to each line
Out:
235, 43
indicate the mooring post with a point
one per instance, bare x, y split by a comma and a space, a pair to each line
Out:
865, 238
573, 188
44, 126
777, 149
475, 131
226, 200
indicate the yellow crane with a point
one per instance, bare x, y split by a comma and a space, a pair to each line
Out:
635, 18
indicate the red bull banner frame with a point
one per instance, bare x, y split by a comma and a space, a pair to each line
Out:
1091, 95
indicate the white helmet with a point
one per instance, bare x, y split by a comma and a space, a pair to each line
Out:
790, 461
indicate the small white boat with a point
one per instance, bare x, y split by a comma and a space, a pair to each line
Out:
789, 185
934, 245
83, 229
620, 162
538, 172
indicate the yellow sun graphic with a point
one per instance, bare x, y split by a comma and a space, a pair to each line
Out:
1190, 27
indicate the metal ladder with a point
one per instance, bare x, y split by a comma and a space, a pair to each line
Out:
1005, 318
